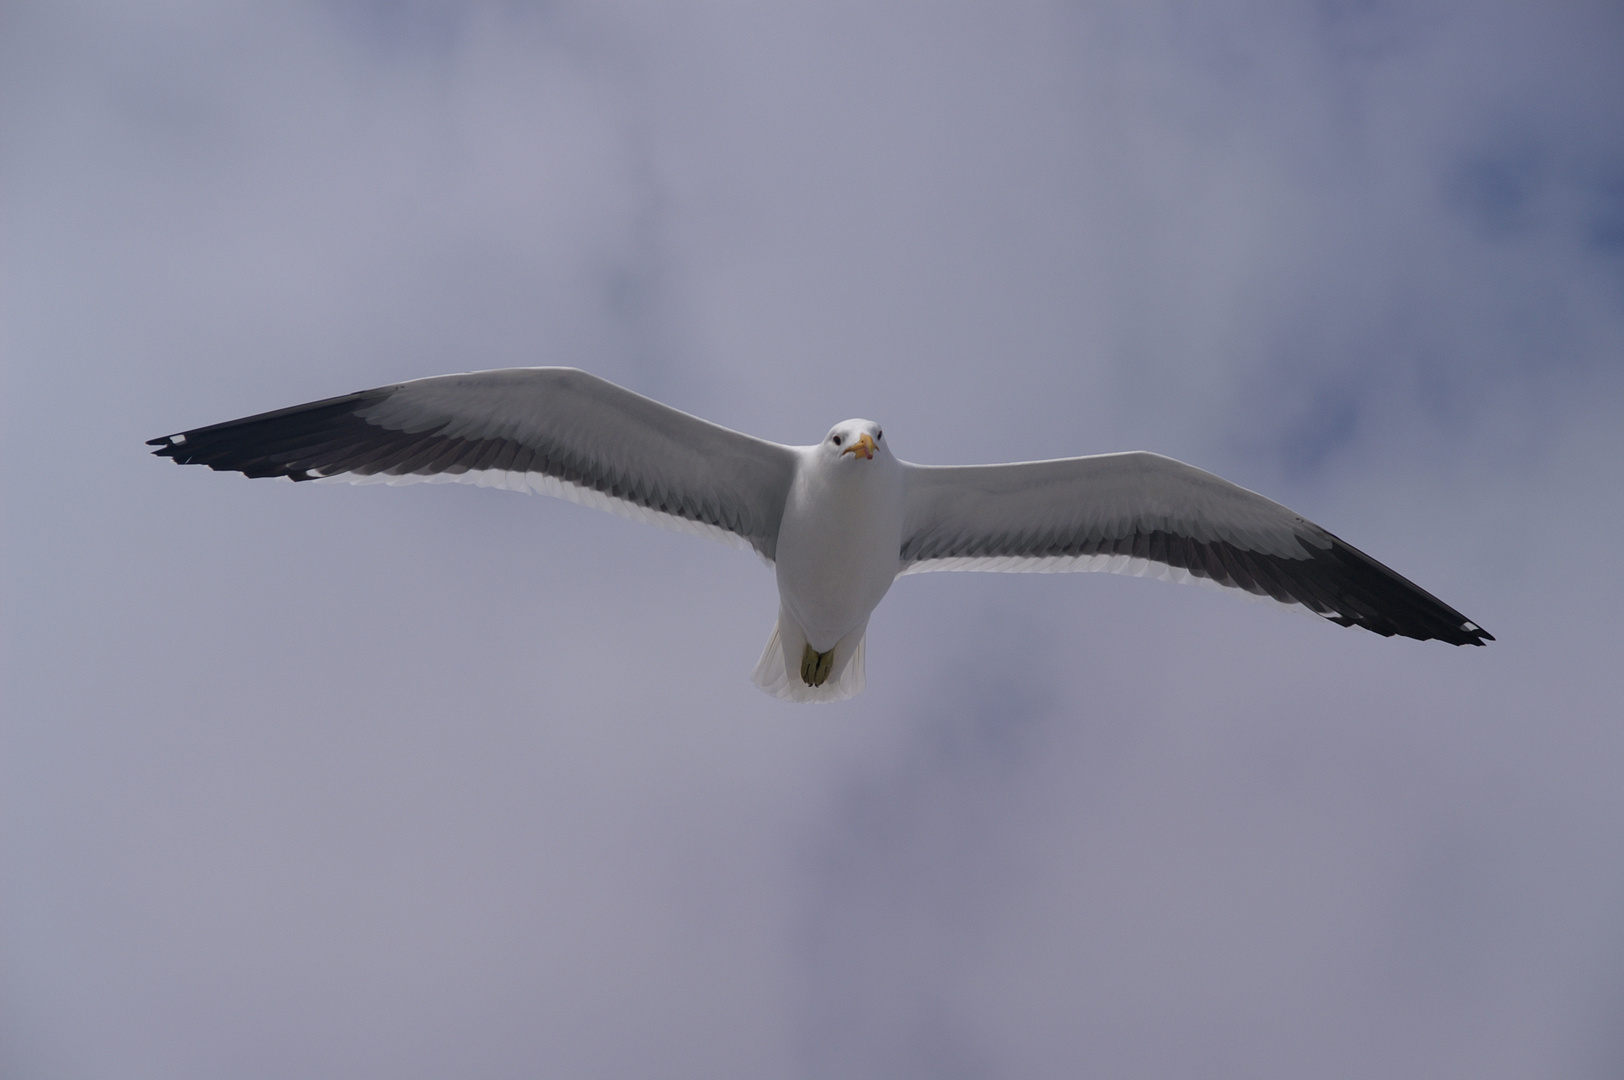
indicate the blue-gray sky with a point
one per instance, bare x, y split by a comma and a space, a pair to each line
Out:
332, 782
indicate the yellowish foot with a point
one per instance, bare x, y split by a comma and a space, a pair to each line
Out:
815, 666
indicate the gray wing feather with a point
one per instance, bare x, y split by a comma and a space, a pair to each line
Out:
554, 430
1143, 513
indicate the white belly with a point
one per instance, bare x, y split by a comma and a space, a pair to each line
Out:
839, 546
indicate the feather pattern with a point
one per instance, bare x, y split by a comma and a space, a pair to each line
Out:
1141, 513
556, 431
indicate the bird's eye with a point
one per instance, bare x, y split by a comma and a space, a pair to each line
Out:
879, 435
836, 439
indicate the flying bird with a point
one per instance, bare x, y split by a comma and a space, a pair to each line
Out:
839, 521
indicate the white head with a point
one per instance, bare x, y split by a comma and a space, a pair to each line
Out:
855, 442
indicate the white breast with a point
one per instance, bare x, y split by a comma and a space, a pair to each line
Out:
839, 547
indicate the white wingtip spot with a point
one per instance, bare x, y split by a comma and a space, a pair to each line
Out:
176, 440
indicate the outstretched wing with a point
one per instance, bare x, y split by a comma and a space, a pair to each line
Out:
558, 431
1142, 513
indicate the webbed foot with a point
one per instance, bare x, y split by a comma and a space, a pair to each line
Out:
815, 666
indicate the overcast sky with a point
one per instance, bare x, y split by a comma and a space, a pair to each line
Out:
317, 781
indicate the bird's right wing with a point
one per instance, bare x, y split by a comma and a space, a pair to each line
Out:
1141, 513
558, 431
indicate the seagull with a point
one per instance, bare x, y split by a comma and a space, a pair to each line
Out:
838, 522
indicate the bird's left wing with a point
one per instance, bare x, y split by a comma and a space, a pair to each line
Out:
1140, 513
558, 431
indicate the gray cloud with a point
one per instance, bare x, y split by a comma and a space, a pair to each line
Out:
362, 782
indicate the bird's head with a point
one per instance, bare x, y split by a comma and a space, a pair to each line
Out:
859, 438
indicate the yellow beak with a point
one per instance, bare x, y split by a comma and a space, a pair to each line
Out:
863, 447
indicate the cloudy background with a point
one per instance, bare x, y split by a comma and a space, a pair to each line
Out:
331, 782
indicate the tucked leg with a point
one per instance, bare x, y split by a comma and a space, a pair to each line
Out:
815, 665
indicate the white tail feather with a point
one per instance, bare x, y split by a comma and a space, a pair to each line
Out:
778, 672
